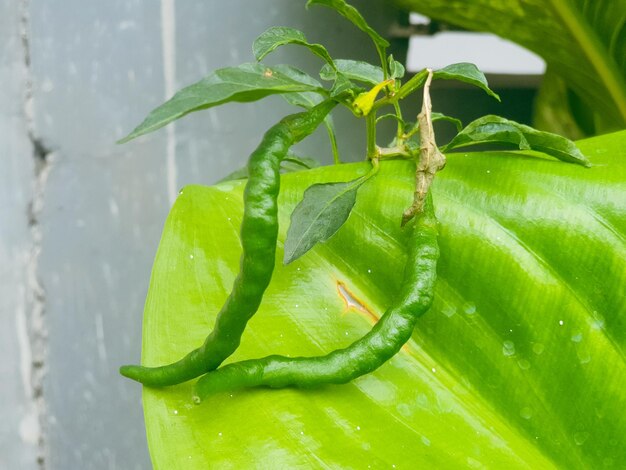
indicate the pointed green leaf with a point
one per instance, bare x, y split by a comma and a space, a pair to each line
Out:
304, 99
396, 118
396, 69
581, 40
307, 99
277, 36
247, 82
323, 210
296, 163
519, 364
289, 164
468, 73
353, 15
442, 117
498, 129
343, 86
411, 128
354, 70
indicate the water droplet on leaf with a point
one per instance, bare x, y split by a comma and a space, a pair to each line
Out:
581, 437
469, 308
526, 412
538, 348
508, 348
449, 311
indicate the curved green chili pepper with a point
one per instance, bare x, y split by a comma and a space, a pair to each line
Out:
259, 229
363, 356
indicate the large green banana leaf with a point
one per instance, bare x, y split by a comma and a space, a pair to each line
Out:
521, 362
583, 41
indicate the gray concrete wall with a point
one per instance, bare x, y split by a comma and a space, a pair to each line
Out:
80, 217
19, 427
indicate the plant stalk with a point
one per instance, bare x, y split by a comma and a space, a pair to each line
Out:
370, 130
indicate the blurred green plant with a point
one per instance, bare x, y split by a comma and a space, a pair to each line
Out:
582, 41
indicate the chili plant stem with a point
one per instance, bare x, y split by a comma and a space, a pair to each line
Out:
370, 129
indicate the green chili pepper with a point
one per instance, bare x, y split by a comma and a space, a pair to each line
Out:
259, 229
365, 355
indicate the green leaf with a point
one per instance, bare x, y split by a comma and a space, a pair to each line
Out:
304, 99
343, 86
295, 163
411, 128
323, 210
411, 85
520, 363
497, 129
396, 69
353, 15
277, 36
468, 73
247, 82
354, 70
581, 40
289, 164
307, 100
442, 117
396, 118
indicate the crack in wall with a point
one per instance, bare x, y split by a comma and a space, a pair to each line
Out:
35, 295
36, 301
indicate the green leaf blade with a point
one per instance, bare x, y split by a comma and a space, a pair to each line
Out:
396, 69
245, 83
290, 163
353, 15
354, 70
323, 210
294, 162
496, 129
468, 73
442, 117
540, 250
277, 36
303, 99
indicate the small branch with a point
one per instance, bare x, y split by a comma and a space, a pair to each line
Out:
392, 152
431, 160
328, 123
370, 129
400, 127
405, 90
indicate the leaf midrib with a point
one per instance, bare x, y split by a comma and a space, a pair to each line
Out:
591, 48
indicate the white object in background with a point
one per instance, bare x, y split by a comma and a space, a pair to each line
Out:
490, 53
416, 18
